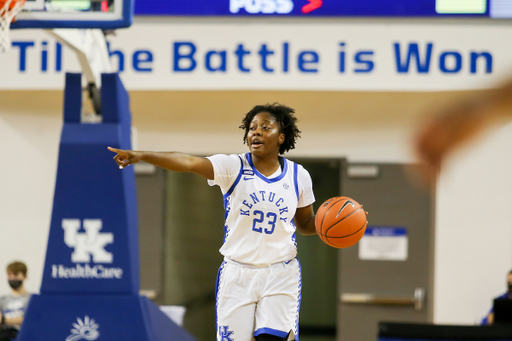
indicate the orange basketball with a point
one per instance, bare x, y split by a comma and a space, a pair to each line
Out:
340, 222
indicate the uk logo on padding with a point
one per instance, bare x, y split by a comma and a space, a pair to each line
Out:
91, 243
84, 330
225, 333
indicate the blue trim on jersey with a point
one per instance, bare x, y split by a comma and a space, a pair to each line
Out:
263, 177
295, 182
226, 230
237, 179
217, 284
226, 211
226, 196
298, 305
270, 331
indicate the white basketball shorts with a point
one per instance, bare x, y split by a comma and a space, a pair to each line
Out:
254, 300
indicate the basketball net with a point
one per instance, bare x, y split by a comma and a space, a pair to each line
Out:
8, 10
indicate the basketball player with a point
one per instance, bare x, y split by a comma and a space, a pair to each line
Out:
266, 199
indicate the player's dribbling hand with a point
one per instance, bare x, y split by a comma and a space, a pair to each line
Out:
125, 157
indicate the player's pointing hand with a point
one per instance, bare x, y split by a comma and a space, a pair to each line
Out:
125, 157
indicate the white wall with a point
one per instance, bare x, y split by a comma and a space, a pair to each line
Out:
28, 166
474, 228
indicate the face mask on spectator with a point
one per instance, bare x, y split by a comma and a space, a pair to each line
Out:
15, 283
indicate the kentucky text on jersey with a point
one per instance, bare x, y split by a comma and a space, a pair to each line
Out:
255, 197
259, 210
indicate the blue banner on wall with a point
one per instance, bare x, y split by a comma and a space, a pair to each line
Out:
360, 8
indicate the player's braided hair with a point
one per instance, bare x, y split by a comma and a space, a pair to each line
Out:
283, 115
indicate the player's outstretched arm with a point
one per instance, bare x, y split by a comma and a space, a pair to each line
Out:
173, 161
305, 220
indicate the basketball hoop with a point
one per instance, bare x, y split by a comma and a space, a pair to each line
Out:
8, 10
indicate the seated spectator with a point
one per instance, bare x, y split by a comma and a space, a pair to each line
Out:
489, 319
13, 305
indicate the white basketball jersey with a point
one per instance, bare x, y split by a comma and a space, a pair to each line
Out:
259, 210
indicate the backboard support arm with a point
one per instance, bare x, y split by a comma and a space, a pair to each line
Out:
91, 49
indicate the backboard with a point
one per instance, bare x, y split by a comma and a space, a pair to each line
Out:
101, 14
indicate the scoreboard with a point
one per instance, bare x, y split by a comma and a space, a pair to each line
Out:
328, 8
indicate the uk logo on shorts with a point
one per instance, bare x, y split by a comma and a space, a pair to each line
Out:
225, 333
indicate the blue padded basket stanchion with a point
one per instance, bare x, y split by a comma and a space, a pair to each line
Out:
90, 287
